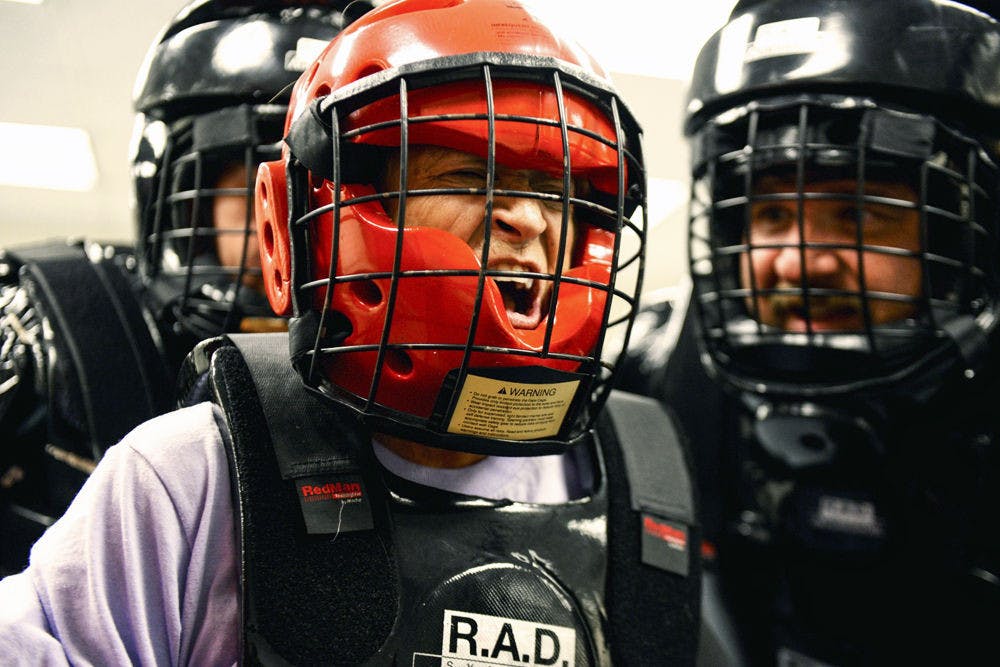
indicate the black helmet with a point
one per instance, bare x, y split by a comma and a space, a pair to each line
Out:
211, 99
882, 117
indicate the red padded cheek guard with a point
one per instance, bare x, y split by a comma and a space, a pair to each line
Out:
438, 309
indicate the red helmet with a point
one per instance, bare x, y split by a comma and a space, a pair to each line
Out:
408, 324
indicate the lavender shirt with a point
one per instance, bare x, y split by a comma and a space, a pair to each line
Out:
142, 568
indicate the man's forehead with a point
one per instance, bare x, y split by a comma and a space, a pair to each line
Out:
831, 182
428, 156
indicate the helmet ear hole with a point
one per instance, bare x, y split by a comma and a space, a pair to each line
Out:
271, 211
369, 69
267, 237
367, 292
399, 362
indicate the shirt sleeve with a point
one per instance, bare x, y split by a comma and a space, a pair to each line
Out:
142, 567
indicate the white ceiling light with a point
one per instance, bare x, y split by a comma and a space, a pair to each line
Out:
638, 36
27, 2
42, 156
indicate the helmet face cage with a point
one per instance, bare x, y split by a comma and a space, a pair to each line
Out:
202, 293
441, 322
801, 142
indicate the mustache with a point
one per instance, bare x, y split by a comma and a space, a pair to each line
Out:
818, 307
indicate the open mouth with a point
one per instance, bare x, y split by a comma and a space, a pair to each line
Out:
522, 298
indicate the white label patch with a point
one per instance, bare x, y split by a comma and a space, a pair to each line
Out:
512, 410
307, 49
733, 42
784, 38
478, 640
789, 658
848, 516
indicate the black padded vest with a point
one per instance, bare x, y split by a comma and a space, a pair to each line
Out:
344, 563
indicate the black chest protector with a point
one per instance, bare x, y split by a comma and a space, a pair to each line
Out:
79, 368
843, 538
343, 563
103, 369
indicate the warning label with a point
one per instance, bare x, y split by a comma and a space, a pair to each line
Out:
512, 30
511, 410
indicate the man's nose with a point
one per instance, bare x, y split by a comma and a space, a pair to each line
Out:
795, 259
518, 220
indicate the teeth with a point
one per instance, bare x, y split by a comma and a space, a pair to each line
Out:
523, 283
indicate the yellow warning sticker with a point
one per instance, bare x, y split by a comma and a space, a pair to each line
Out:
511, 410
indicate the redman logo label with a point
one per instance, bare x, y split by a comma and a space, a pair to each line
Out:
331, 491
664, 544
479, 640
334, 504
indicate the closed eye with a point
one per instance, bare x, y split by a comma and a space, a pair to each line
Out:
472, 178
